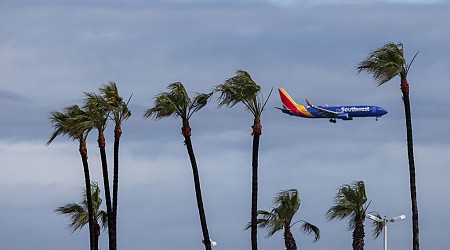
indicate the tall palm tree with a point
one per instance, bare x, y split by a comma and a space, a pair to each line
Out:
242, 89
97, 114
79, 215
176, 103
119, 112
72, 123
286, 204
385, 63
350, 203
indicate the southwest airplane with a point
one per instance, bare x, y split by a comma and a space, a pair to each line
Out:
290, 107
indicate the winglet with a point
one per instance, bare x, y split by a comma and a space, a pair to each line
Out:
307, 102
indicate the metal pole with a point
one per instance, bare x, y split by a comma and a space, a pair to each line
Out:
385, 233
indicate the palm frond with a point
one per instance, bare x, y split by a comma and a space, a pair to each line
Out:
262, 222
58, 120
176, 102
286, 204
111, 94
170, 104
276, 226
384, 63
340, 211
241, 89
410, 63
377, 226
179, 96
200, 100
78, 213
71, 122
103, 216
97, 111
96, 198
349, 204
119, 108
265, 100
309, 229
163, 107
266, 219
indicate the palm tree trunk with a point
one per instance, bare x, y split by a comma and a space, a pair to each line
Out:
117, 135
186, 130
257, 130
111, 234
97, 233
289, 240
358, 236
412, 169
87, 180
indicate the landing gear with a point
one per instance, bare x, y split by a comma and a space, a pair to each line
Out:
332, 120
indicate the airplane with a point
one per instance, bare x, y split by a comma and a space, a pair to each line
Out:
290, 107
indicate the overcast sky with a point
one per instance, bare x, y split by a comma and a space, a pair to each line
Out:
53, 51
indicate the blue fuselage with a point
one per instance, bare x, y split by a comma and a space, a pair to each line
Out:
347, 111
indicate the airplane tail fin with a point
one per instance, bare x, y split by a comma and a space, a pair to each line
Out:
287, 101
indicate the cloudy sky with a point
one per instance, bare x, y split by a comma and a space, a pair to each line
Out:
53, 51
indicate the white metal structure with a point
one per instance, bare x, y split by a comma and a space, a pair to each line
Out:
385, 221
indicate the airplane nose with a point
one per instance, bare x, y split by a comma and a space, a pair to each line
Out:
383, 111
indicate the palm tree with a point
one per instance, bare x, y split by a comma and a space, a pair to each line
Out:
119, 112
176, 103
350, 203
385, 63
79, 215
286, 204
97, 113
242, 89
72, 123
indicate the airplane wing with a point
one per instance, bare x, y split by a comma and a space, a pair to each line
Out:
325, 112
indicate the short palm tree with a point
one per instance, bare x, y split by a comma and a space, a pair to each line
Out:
242, 89
97, 113
119, 112
79, 215
72, 123
385, 63
350, 203
286, 204
176, 103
